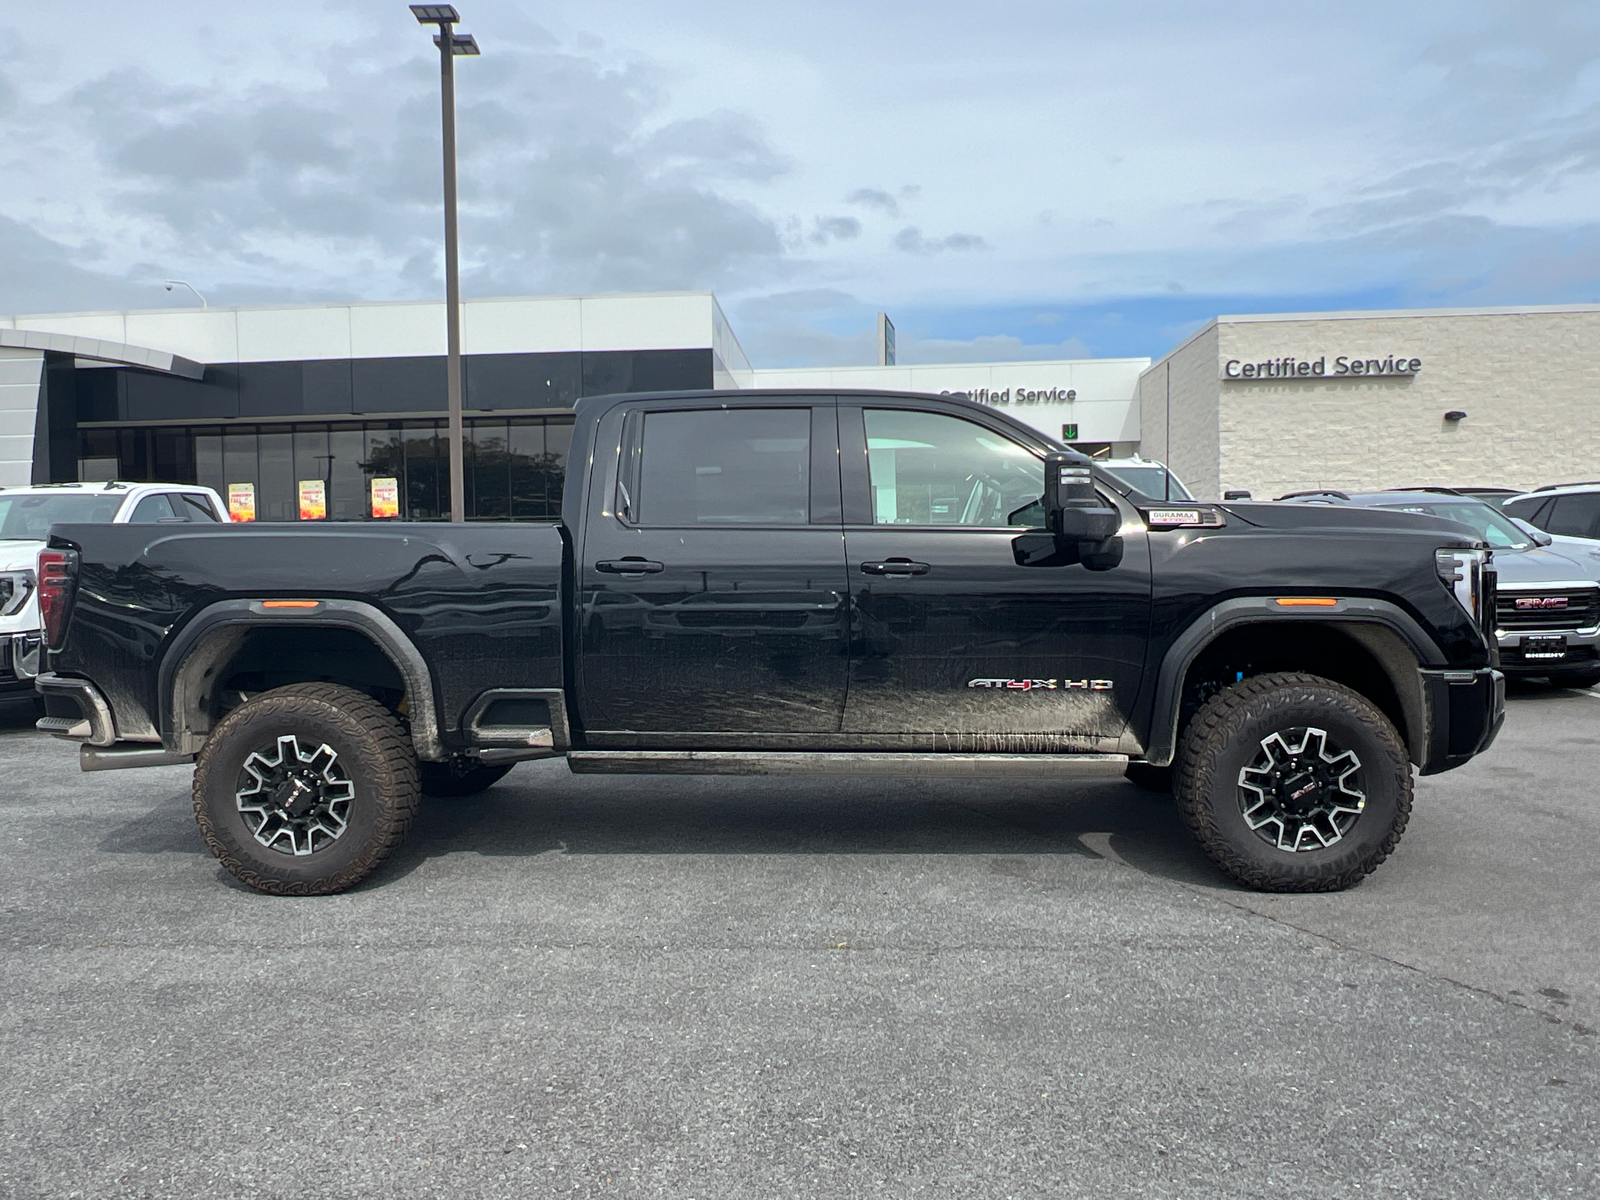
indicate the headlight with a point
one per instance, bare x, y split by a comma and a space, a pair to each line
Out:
15, 588
1462, 571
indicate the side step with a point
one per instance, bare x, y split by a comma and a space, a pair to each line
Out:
124, 755
900, 766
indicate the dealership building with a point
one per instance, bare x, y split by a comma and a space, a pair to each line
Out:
275, 396
1489, 397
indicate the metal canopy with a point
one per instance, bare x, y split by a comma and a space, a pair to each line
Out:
102, 351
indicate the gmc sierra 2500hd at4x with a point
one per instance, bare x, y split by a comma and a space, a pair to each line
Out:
788, 583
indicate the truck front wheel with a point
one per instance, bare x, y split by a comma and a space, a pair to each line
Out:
1293, 783
306, 789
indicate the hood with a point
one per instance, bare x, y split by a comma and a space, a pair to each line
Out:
17, 554
1541, 565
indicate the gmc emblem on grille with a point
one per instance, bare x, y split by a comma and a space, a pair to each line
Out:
1527, 602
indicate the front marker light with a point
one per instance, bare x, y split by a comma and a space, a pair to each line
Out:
1462, 571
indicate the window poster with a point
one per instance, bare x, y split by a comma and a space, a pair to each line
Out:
241, 502
385, 497
313, 500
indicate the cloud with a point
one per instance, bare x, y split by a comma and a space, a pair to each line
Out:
836, 229
876, 199
570, 179
43, 276
911, 241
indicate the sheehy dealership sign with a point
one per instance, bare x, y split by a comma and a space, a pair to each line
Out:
1344, 366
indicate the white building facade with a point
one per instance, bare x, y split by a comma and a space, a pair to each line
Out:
1486, 397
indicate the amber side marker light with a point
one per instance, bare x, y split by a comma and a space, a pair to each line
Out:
1306, 601
290, 603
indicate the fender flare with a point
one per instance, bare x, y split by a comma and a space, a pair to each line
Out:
1256, 610
180, 683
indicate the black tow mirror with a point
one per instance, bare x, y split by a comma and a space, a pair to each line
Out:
1073, 509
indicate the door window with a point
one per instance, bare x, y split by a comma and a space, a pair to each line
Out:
724, 466
1576, 515
932, 469
153, 509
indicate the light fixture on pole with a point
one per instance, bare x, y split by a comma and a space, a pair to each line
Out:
172, 283
451, 44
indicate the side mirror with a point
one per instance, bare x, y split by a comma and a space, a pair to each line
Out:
1539, 536
1236, 494
1073, 509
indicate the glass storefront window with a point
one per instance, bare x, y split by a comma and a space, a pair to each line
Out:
515, 468
348, 492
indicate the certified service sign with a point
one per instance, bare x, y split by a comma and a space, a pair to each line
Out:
1345, 366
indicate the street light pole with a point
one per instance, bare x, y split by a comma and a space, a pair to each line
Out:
450, 45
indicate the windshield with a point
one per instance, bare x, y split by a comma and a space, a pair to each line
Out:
28, 518
1151, 480
1491, 526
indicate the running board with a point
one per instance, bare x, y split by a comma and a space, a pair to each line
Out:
822, 762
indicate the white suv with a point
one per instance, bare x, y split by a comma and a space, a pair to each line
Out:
1569, 513
26, 514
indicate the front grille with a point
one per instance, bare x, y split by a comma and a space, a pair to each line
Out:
1548, 608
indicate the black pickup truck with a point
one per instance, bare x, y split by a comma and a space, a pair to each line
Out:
761, 583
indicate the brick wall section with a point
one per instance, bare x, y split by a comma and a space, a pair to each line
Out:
1179, 416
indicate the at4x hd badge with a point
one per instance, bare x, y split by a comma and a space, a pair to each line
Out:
1028, 685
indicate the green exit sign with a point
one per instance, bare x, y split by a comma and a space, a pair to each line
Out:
1069, 433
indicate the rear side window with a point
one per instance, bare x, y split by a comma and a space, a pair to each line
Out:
194, 507
725, 466
1575, 515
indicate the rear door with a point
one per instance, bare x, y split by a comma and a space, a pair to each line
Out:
954, 642
713, 591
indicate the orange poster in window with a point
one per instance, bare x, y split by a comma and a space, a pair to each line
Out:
241, 502
313, 500
385, 497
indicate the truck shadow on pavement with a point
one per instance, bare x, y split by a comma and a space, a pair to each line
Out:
541, 809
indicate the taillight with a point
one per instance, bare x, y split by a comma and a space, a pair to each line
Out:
55, 593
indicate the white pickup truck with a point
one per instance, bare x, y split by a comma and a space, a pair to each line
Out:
26, 514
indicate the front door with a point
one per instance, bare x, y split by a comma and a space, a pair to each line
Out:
713, 597
954, 644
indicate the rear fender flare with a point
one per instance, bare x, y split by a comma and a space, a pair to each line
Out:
1249, 610
217, 630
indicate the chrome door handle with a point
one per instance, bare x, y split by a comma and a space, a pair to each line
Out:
628, 566
895, 566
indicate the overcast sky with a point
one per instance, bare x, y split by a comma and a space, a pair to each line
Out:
1007, 180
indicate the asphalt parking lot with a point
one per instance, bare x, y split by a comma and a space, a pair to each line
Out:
773, 988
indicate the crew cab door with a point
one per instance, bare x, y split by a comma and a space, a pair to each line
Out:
953, 641
713, 593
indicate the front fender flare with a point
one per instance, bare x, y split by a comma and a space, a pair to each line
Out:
1162, 744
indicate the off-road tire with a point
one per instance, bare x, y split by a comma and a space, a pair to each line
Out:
1226, 734
372, 747
1576, 679
452, 779
1148, 778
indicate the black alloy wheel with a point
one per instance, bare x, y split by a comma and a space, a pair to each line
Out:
1293, 783
306, 789
1302, 791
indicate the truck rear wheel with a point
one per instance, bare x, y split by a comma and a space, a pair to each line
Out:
305, 789
1293, 783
